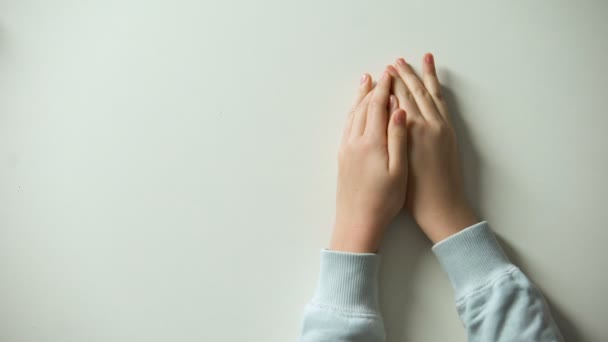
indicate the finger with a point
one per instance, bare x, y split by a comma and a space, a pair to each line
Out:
376, 112
397, 142
360, 116
404, 96
423, 99
431, 83
365, 86
393, 104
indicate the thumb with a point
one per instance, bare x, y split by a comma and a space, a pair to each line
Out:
397, 142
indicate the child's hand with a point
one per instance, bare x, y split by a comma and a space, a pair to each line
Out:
435, 195
372, 169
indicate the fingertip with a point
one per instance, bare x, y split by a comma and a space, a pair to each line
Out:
399, 116
429, 62
365, 81
392, 71
402, 67
384, 83
385, 76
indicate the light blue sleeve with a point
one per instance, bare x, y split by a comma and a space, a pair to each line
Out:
344, 307
495, 300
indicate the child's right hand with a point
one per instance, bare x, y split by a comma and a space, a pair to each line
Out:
372, 169
435, 191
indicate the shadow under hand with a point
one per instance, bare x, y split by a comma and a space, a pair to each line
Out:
470, 163
472, 172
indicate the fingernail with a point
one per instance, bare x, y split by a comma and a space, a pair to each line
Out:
391, 102
401, 61
391, 69
428, 58
363, 78
399, 117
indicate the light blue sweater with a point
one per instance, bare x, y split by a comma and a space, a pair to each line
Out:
495, 300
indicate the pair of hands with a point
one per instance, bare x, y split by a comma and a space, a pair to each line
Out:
398, 150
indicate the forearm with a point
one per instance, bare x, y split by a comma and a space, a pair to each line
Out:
344, 307
495, 300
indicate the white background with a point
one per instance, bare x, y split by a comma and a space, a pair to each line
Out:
167, 168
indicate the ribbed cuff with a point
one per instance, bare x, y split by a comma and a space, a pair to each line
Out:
348, 282
472, 258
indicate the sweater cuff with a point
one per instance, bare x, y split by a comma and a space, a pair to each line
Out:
472, 258
348, 282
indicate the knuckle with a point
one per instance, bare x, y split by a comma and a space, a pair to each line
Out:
437, 94
419, 91
440, 129
375, 105
409, 96
369, 144
366, 143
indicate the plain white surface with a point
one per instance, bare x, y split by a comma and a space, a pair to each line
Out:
167, 168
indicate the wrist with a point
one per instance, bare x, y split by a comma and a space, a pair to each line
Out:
356, 238
448, 222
